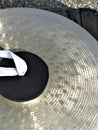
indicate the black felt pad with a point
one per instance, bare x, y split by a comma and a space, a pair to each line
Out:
26, 87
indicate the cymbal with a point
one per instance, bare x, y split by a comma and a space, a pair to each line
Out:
92, 4
70, 99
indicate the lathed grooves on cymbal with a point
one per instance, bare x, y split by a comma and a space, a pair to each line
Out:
70, 100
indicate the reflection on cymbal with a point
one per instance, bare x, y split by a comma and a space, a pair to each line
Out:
70, 100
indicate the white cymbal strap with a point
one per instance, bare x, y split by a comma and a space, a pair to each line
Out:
20, 64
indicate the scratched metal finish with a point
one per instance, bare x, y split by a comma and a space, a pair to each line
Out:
70, 100
93, 4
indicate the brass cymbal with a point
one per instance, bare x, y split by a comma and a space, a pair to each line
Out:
92, 4
70, 100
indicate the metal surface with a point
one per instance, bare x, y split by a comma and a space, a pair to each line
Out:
92, 4
70, 100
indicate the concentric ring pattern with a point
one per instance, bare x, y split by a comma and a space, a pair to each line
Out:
70, 100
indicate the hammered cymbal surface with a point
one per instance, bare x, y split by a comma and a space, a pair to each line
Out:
92, 4
53, 4
70, 100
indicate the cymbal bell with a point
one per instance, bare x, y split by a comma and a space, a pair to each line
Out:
70, 99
